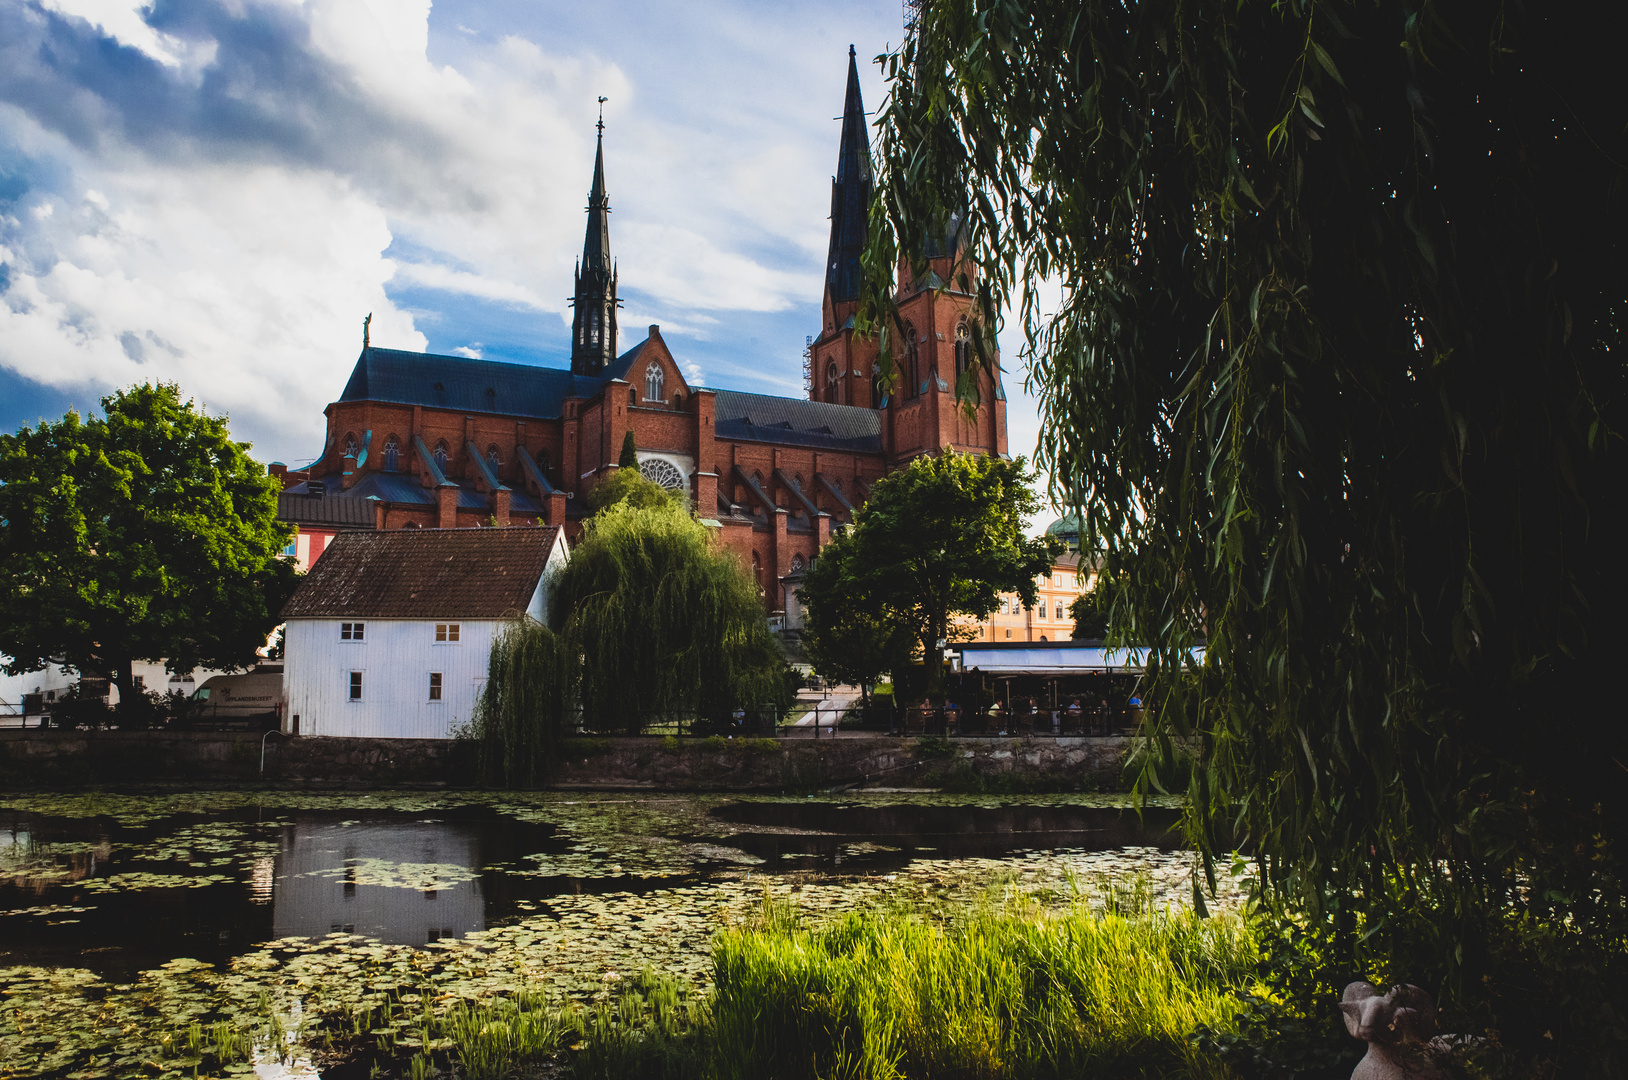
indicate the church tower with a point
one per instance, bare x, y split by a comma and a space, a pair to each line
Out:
932, 348
841, 366
593, 328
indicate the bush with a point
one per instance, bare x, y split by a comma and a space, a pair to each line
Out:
77, 709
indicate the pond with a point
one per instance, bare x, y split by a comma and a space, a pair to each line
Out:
160, 911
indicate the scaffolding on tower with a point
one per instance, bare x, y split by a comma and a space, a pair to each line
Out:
912, 13
808, 366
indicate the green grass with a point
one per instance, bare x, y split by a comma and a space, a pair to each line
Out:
1011, 991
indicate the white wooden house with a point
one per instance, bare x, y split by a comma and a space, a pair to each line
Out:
388, 635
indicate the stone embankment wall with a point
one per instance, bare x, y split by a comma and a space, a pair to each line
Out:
70, 759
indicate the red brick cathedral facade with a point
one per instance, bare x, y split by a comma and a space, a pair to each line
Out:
444, 441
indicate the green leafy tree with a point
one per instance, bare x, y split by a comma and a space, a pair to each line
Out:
629, 458
146, 534
1090, 613
847, 634
1336, 381
632, 487
938, 539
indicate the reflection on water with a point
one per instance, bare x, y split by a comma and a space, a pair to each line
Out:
402, 884
124, 884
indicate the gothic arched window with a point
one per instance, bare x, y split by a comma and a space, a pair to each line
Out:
632, 396
350, 444
440, 456
542, 462
912, 362
796, 564
593, 326
662, 472
832, 389
963, 349
652, 383
392, 453
493, 458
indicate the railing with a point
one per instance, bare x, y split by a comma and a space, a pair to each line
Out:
751, 723
970, 723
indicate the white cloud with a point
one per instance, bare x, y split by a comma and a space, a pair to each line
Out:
462, 281
187, 279
124, 22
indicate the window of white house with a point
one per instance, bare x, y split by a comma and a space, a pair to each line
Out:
356, 686
435, 686
446, 631
351, 631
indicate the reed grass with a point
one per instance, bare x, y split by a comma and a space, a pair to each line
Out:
1010, 990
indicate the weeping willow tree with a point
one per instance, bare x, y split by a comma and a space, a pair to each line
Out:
650, 620
526, 705
665, 621
1324, 304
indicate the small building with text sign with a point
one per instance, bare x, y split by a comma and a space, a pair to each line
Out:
389, 634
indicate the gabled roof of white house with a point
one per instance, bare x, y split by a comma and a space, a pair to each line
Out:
483, 573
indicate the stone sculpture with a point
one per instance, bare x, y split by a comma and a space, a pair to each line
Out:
1396, 1026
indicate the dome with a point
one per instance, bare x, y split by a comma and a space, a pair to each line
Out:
1067, 530
1067, 525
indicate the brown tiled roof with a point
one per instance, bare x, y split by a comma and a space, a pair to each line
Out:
312, 510
425, 573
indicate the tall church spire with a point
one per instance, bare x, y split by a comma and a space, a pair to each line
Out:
850, 195
593, 328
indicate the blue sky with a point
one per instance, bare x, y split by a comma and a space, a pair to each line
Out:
215, 192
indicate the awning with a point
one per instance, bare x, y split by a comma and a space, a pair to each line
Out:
1052, 660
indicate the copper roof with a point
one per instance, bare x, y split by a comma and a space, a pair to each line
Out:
482, 573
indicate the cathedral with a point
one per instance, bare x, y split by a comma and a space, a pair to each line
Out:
429, 441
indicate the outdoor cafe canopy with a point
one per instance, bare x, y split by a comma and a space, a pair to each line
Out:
1050, 658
